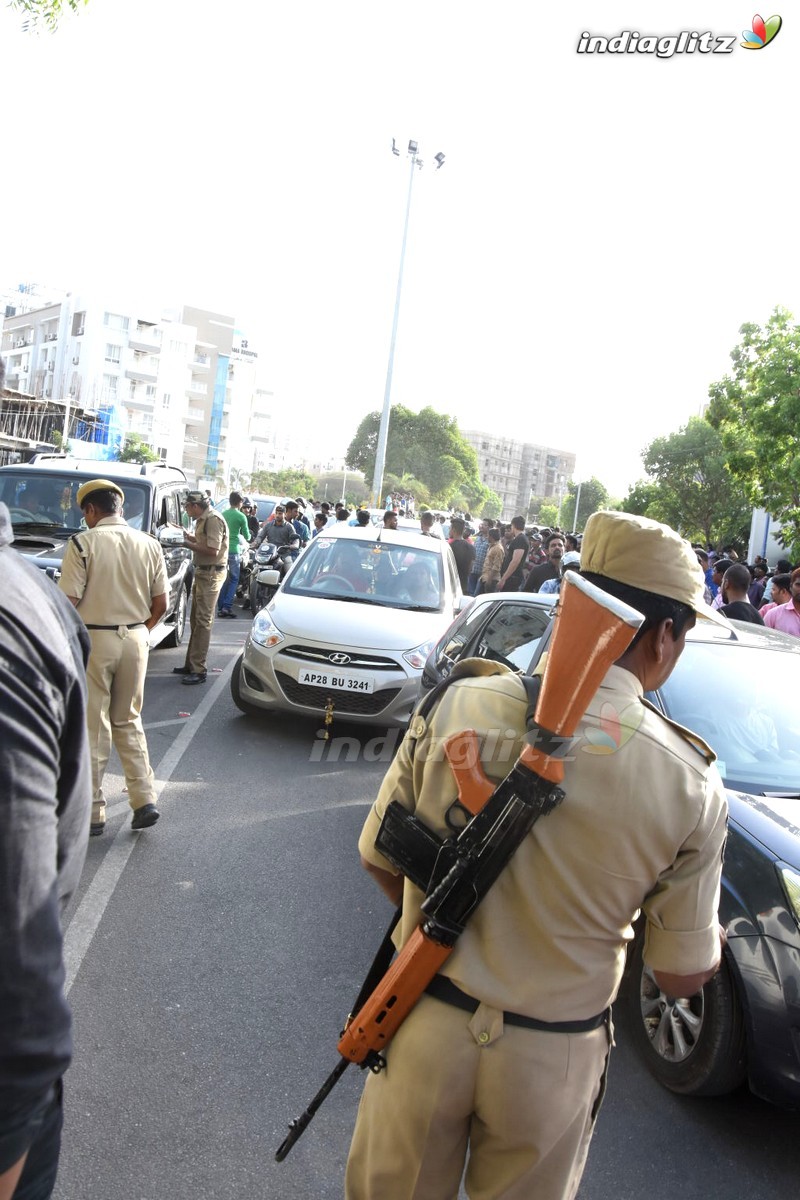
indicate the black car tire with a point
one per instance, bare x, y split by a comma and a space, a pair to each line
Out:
695, 1046
249, 710
175, 637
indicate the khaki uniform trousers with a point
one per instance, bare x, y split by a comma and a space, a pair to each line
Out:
207, 586
520, 1102
115, 675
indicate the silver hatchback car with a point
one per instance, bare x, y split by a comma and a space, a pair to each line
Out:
350, 628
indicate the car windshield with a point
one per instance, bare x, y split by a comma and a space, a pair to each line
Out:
40, 502
370, 572
740, 699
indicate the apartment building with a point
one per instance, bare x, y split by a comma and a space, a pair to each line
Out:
183, 380
518, 470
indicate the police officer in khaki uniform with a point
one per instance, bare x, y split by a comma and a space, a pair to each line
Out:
116, 578
501, 1064
210, 545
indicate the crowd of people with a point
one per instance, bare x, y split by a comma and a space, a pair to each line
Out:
508, 557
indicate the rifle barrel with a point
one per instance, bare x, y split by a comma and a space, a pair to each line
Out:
299, 1124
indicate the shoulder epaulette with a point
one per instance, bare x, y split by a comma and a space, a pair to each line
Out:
688, 735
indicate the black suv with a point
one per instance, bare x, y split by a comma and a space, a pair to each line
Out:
41, 496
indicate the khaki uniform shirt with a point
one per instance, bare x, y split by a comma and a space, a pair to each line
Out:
114, 571
642, 825
211, 532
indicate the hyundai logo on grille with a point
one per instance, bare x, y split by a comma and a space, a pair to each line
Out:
339, 660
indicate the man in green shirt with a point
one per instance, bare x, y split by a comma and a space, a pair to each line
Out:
238, 540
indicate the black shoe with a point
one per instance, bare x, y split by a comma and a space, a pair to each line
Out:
227, 615
181, 670
145, 816
96, 828
194, 677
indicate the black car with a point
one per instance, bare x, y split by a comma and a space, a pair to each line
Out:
41, 497
738, 690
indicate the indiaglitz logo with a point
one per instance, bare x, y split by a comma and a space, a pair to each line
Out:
630, 41
686, 41
614, 730
762, 33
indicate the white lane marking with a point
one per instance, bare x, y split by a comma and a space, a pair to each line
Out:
89, 912
162, 724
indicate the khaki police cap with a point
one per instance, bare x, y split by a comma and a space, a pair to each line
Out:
648, 555
196, 498
97, 485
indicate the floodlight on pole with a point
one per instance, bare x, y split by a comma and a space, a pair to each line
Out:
383, 431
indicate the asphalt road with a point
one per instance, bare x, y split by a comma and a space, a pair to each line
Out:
212, 959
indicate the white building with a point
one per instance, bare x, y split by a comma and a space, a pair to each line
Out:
184, 381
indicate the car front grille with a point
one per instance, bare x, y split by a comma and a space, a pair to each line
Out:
360, 703
317, 655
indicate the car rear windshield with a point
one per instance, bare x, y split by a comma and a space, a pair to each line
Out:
397, 576
741, 700
42, 503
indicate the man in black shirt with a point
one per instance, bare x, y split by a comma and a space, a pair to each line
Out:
463, 552
735, 583
515, 559
45, 803
551, 567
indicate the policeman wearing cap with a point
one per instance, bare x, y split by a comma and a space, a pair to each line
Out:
209, 543
116, 578
500, 1067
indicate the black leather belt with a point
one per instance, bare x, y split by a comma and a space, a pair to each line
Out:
135, 625
212, 567
442, 988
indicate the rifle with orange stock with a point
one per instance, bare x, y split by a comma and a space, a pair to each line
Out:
591, 630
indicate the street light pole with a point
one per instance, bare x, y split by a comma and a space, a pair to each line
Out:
383, 431
577, 506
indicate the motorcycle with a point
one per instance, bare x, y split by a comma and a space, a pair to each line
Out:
245, 572
270, 564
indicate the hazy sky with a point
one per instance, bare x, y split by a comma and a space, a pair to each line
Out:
576, 273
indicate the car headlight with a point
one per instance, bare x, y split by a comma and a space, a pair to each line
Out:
791, 886
418, 657
265, 632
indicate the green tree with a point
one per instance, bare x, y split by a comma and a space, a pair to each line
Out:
756, 410
239, 479
288, 483
44, 13
330, 485
136, 450
547, 515
426, 445
593, 497
642, 500
697, 493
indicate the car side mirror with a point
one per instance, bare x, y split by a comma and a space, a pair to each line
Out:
170, 535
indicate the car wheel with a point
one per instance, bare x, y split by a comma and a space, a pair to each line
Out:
694, 1046
236, 694
179, 627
